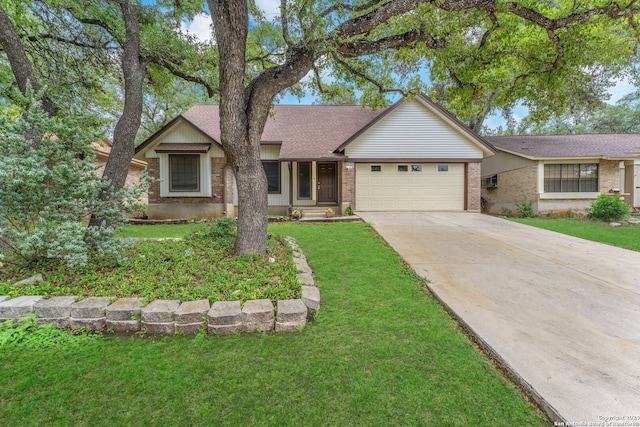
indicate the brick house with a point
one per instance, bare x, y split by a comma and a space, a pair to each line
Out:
136, 166
413, 155
561, 172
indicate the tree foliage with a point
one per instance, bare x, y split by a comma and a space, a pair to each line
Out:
483, 53
583, 118
473, 56
49, 191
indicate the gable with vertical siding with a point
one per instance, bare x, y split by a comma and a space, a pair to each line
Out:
413, 131
183, 132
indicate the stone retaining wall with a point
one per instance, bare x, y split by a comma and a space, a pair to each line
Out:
167, 317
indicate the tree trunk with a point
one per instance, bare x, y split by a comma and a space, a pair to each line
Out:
252, 208
240, 139
124, 134
22, 70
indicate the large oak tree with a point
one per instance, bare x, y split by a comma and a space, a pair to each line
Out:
530, 44
479, 56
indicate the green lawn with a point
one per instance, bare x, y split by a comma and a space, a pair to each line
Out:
627, 237
381, 352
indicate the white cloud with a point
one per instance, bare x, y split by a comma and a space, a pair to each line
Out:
200, 27
270, 8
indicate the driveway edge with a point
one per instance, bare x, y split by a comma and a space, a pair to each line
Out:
501, 364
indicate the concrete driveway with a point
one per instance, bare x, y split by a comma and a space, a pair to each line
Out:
561, 312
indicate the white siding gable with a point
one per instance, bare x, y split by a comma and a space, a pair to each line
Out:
185, 133
413, 131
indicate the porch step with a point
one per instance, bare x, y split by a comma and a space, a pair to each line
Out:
318, 214
317, 211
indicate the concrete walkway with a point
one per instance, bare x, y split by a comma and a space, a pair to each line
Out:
561, 312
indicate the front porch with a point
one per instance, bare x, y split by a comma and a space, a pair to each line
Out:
311, 186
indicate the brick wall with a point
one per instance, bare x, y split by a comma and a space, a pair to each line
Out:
348, 186
153, 169
217, 184
609, 175
473, 186
133, 177
519, 185
186, 207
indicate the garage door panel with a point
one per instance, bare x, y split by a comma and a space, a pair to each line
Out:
428, 189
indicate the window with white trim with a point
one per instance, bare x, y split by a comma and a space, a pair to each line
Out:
571, 178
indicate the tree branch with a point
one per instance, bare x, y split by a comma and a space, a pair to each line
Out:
351, 8
284, 20
362, 75
408, 39
74, 42
173, 69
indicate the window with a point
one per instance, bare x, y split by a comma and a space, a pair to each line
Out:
304, 180
403, 168
571, 178
184, 172
443, 168
376, 168
416, 168
272, 169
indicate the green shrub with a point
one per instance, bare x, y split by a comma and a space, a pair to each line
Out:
608, 208
504, 211
222, 232
525, 210
25, 333
49, 189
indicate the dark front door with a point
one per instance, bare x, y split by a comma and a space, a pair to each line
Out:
327, 180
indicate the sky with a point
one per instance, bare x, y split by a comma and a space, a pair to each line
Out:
201, 28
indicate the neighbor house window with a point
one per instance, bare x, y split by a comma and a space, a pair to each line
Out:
272, 169
304, 180
184, 172
403, 168
571, 178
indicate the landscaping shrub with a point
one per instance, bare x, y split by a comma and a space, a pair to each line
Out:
608, 208
504, 211
49, 190
222, 231
525, 210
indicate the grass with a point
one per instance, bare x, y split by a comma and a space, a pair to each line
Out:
200, 266
381, 352
627, 237
159, 230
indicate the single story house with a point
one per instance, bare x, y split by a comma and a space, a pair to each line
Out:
136, 166
413, 155
561, 172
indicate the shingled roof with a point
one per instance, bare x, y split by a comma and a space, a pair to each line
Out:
306, 132
558, 146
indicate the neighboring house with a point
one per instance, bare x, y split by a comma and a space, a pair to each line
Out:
560, 172
413, 155
136, 166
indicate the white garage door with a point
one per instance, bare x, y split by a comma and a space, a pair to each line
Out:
409, 187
